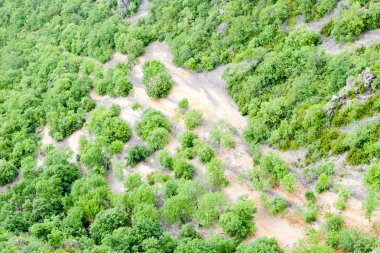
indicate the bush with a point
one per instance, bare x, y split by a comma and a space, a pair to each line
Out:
8, 171
275, 205
106, 222
183, 169
193, 119
273, 164
371, 176
135, 154
205, 154
343, 195
237, 220
333, 222
188, 231
354, 240
158, 138
311, 213
260, 245
215, 173
323, 183
310, 196
187, 139
157, 177
348, 27
135, 106
287, 182
183, 104
132, 181
222, 133
150, 120
156, 79
370, 203
145, 212
177, 209
165, 159
210, 206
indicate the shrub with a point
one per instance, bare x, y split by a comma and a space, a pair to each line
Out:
156, 79
215, 173
237, 220
150, 120
323, 183
132, 181
260, 245
8, 171
157, 177
205, 153
311, 213
333, 222
310, 196
287, 182
107, 221
183, 104
343, 195
370, 203
165, 159
371, 176
145, 212
135, 106
188, 231
210, 206
183, 169
275, 205
354, 240
273, 164
193, 119
135, 154
158, 138
222, 133
177, 209
348, 27
187, 139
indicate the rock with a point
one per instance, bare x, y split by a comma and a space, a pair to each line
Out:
123, 4
222, 28
366, 77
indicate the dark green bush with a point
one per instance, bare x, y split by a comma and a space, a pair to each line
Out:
193, 119
156, 79
136, 154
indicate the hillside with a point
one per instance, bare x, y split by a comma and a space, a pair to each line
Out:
189, 126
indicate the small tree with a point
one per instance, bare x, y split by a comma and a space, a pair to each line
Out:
215, 173
370, 203
135, 154
193, 119
237, 220
211, 205
183, 104
287, 182
323, 183
158, 138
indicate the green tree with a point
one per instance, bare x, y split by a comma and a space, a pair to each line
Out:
193, 119
237, 220
210, 206
370, 203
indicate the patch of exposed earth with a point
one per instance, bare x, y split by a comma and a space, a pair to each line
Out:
142, 12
